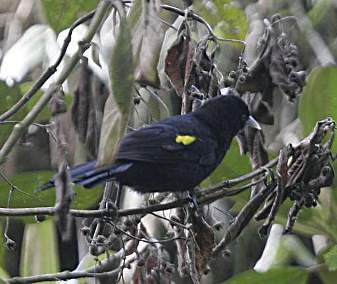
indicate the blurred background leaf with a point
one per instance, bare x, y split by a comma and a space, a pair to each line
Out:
284, 275
39, 252
330, 258
62, 13
319, 98
27, 182
228, 20
3, 274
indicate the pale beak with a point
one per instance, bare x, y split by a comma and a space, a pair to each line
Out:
251, 122
225, 91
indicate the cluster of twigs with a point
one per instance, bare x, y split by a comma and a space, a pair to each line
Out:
301, 170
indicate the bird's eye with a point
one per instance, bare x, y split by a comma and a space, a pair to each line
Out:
244, 117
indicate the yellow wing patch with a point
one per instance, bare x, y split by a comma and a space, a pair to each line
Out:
185, 139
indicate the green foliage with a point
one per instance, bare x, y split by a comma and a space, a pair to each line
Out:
228, 20
330, 258
39, 252
319, 98
45, 114
3, 275
27, 182
285, 275
62, 13
319, 11
323, 15
8, 97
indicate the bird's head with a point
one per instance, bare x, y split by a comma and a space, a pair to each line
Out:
227, 114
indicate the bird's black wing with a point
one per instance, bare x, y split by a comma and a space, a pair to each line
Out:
177, 139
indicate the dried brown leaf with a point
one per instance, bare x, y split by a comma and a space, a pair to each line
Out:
83, 112
175, 63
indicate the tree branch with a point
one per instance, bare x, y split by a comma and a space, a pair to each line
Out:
203, 197
103, 270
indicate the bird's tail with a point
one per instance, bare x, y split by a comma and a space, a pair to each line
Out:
89, 175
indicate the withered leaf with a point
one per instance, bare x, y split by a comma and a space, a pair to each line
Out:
178, 62
277, 65
83, 112
57, 104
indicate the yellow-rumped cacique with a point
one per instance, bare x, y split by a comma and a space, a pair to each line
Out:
175, 154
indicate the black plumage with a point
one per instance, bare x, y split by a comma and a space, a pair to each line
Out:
175, 154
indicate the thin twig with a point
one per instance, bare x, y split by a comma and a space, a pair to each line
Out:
106, 269
34, 123
152, 241
203, 198
97, 272
199, 19
158, 99
242, 219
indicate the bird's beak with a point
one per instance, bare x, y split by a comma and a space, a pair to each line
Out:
251, 122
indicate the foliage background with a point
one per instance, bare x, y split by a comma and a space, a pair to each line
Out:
298, 258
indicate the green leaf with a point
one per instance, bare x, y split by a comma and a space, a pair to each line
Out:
117, 106
3, 274
27, 182
320, 10
330, 258
62, 13
323, 15
9, 96
319, 98
228, 20
39, 252
284, 275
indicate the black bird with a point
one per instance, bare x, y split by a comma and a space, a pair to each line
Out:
175, 154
